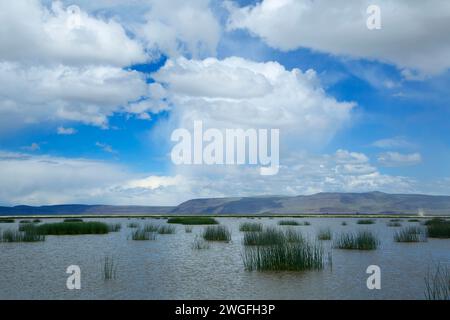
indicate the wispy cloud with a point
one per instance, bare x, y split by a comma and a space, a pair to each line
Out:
394, 142
396, 159
33, 147
106, 147
66, 131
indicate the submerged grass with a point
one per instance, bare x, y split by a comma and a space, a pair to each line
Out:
361, 240
411, 234
324, 234
73, 228
192, 220
250, 227
216, 233
437, 283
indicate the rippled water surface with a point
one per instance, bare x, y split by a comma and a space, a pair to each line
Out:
168, 267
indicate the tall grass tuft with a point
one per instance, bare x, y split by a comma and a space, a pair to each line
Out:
72, 228
437, 283
133, 225
141, 234
166, 230
438, 228
344, 223
365, 221
109, 268
25, 221
394, 224
216, 233
250, 227
269, 236
324, 234
413, 220
37, 221
411, 234
114, 227
151, 227
362, 240
4, 220
188, 229
285, 256
193, 220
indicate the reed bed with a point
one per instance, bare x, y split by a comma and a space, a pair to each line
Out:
288, 223
411, 234
365, 221
37, 221
325, 234
193, 220
166, 230
4, 220
114, 227
133, 225
25, 221
393, 224
287, 256
413, 220
20, 236
216, 233
188, 229
269, 236
250, 227
141, 234
437, 283
73, 228
73, 220
438, 228
361, 240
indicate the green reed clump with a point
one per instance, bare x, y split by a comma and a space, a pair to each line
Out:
306, 223
27, 227
73, 220
344, 223
109, 268
188, 229
288, 223
394, 224
133, 225
73, 228
192, 220
4, 220
166, 230
325, 234
200, 244
250, 227
151, 227
141, 234
413, 220
396, 220
25, 221
271, 236
21, 236
114, 227
361, 240
216, 233
37, 221
437, 283
365, 221
411, 234
285, 256
438, 228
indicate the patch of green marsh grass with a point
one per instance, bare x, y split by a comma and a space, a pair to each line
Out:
271, 236
73, 220
141, 234
150, 227
193, 220
365, 221
438, 228
344, 223
216, 233
411, 234
437, 283
72, 228
3, 220
284, 256
109, 268
21, 236
114, 227
25, 221
188, 229
166, 230
37, 221
361, 240
288, 223
325, 234
250, 227
133, 225
413, 220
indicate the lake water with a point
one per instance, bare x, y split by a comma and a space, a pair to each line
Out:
168, 267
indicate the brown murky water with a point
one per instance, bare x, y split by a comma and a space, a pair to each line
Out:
168, 268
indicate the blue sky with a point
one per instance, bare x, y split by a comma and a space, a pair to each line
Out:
100, 102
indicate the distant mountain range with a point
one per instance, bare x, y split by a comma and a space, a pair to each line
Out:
320, 203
